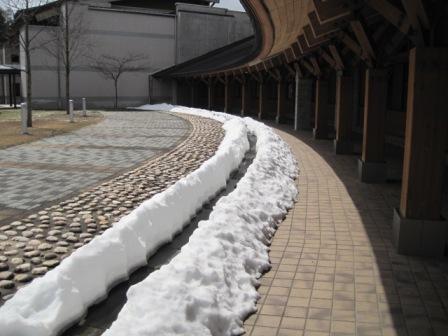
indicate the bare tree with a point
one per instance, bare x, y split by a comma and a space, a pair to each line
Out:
68, 41
112, 67
25, 11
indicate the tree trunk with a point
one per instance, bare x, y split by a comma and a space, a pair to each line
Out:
29, 92
116, 94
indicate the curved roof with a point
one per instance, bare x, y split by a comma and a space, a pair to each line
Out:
317, 33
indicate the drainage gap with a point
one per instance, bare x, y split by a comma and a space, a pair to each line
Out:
100, 316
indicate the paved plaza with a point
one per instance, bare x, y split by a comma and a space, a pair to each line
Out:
334, 269
55, 167
164, 146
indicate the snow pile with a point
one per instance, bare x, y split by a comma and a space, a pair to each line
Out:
209, 287
63, 295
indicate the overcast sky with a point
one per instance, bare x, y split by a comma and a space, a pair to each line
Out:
231, 4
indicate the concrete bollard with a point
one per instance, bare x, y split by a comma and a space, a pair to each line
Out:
24, 118
84, 108
71, 111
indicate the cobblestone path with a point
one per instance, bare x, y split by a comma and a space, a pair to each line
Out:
32, 245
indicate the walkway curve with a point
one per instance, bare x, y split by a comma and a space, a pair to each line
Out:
29, 247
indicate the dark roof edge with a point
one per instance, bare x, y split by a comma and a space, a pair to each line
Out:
241, 58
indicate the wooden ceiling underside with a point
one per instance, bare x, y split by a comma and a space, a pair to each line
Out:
316, 34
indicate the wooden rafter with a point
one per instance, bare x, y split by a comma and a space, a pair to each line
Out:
363, 39
327, 58
319, 28
311, 38
391, 13
290, 69
308, 66
331, 10
315, 65
336, 56
355, 48
415, 12
298, 69
275, 74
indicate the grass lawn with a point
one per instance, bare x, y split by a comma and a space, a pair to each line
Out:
45, 124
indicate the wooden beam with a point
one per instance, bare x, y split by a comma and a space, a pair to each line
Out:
295, 48
327, 58
303, 44
308, 66
336, 56
275, 74
412, 9
289, 55
290, 69
311, 39
391, 13
331, 10
316, 66
320, 28
363, 38
355, 48
298, 69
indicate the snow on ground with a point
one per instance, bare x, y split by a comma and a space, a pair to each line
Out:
63, 295
209, 287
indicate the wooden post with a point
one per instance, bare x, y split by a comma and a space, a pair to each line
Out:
226, 95
344, 113
280, 100
372, 167
192, 94
418, 226
211, 98
296, 100
261, 98
244, 100
321, 110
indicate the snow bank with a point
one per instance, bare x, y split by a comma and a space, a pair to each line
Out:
63, 295
209, 287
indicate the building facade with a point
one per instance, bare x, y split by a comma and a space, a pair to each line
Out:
158, 34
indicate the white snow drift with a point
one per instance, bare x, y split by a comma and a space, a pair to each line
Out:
207, 289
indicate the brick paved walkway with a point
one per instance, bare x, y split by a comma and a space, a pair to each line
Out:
53, 168
335, 271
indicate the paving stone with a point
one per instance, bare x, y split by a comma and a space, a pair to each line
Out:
6, 275
91, 213
7, 284
51, 263
23, 278
39, 270
23, 268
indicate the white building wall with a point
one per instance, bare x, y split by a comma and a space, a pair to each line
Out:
108, 32
123, 31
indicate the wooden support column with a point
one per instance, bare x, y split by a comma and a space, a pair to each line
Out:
418, 226
344, 114
261, 98
226, 95
372, 167
244, 98
192, 94
296, 99
320, 130
211, 96
280, 100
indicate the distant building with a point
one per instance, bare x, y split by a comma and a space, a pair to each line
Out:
165, 32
